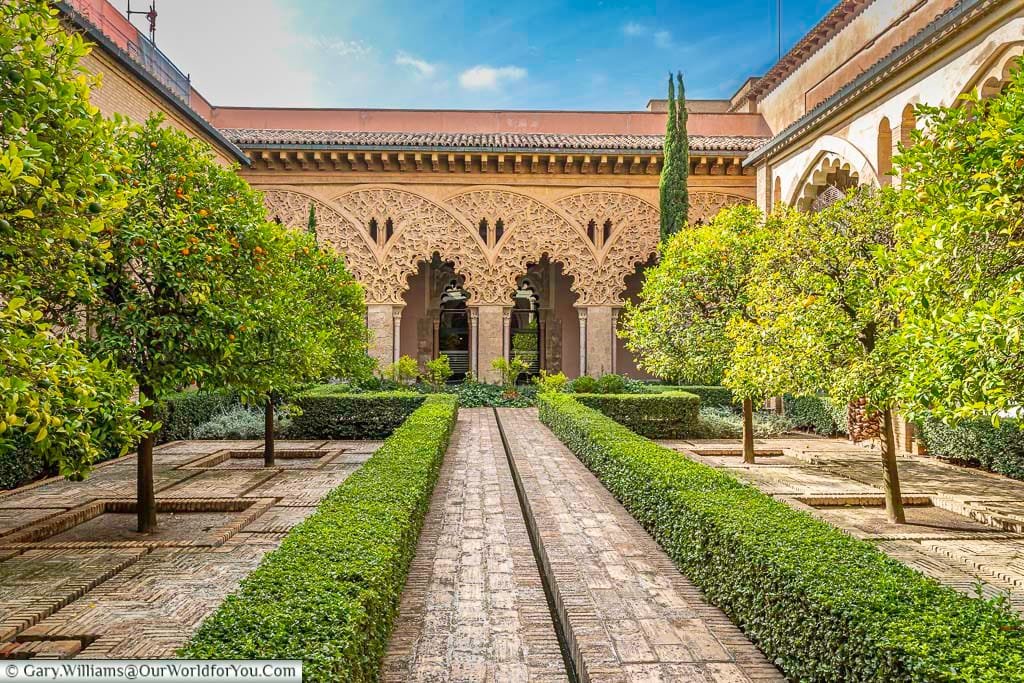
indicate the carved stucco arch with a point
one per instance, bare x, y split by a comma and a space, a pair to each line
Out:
994, 74
830, 155
421, 229
532, 230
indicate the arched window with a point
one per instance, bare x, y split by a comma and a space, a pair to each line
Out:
592, 231
777, 192
389, 230
607, 233
373, 229
908, 122
482, 228
884, 152
499, 230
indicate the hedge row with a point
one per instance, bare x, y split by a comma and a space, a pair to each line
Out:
817, 414
331, 411
329, 594
997, 449
670, 415
710, 397
20, 466
824, 606
182, 412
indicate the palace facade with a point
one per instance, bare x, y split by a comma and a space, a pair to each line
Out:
482, 234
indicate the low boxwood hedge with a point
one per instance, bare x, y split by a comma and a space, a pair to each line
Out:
823, 605
329, 594
670, 415
182, 412
817, 414
710, 397
331, 411
979, 443
20, 465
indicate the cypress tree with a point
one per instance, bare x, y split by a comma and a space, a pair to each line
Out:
311, 222
674, 194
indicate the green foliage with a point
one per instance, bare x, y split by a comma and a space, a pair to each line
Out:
678, 328
725, 423
674, 191
329, 594
19, 465
821, 604
331, 411
816, 413
480, 395
554, 384
584, 384
57, 198
437, 372
611, 384
960, 259
510, 371
656, 416
404, 371
979, 443
311, 221
181, 413
709, 396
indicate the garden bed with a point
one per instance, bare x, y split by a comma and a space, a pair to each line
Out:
822, 604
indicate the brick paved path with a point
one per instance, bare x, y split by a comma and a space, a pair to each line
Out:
964, 526
473, 608
77, 583
628, 613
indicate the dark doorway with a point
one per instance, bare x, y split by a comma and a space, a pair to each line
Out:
525, 329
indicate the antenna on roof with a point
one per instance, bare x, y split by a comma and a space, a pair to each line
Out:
150, 15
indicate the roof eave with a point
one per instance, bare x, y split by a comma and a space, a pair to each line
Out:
477, 150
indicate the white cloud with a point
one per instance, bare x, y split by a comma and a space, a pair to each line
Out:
483, 77
633, 29
663, 39
423, 68
338, 46
262, 60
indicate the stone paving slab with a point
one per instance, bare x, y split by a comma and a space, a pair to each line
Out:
473, 608
628, 613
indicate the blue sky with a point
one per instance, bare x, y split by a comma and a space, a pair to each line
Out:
541, 54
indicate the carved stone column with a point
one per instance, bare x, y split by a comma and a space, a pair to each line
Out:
474, 337
599, 335
396, 315
614, 342
506, 334
379, 320
583, 340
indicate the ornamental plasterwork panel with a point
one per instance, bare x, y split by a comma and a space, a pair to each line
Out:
532, 229
705, 205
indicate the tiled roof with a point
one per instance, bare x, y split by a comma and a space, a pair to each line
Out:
251, 137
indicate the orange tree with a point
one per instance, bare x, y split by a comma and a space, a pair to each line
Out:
678, 328
57, 198
188, 252
822, 319
309, 325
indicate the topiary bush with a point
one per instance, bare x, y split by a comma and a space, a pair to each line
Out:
656, 416
710, 396
329, 594
978, 443
332, 411
817, 414
20, 465
181, 413
584, 384
821, 604
611, 384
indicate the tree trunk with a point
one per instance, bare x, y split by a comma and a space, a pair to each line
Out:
145, 495
748, 431
268, 432
890, 472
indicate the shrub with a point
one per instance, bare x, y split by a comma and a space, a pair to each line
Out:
817, 414
584, 384
709, 396
183, 412
437, 372
554, 384
329, 594
479, 395
237, 422
725, 423
20, 465
404, 371
997, 449
656, 416
510, 371
332, 411
611, 384
823, 605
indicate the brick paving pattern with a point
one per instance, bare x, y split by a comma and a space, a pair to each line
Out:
473, 608
628, 613
60, 600
964, 526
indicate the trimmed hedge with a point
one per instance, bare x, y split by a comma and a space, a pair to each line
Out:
674, 415
817, 414
710, 397
996, 449
331, 411
20, 466
823, 605
182, 412
329, 594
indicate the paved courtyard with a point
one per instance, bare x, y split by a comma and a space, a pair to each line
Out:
964, 526
77, 580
